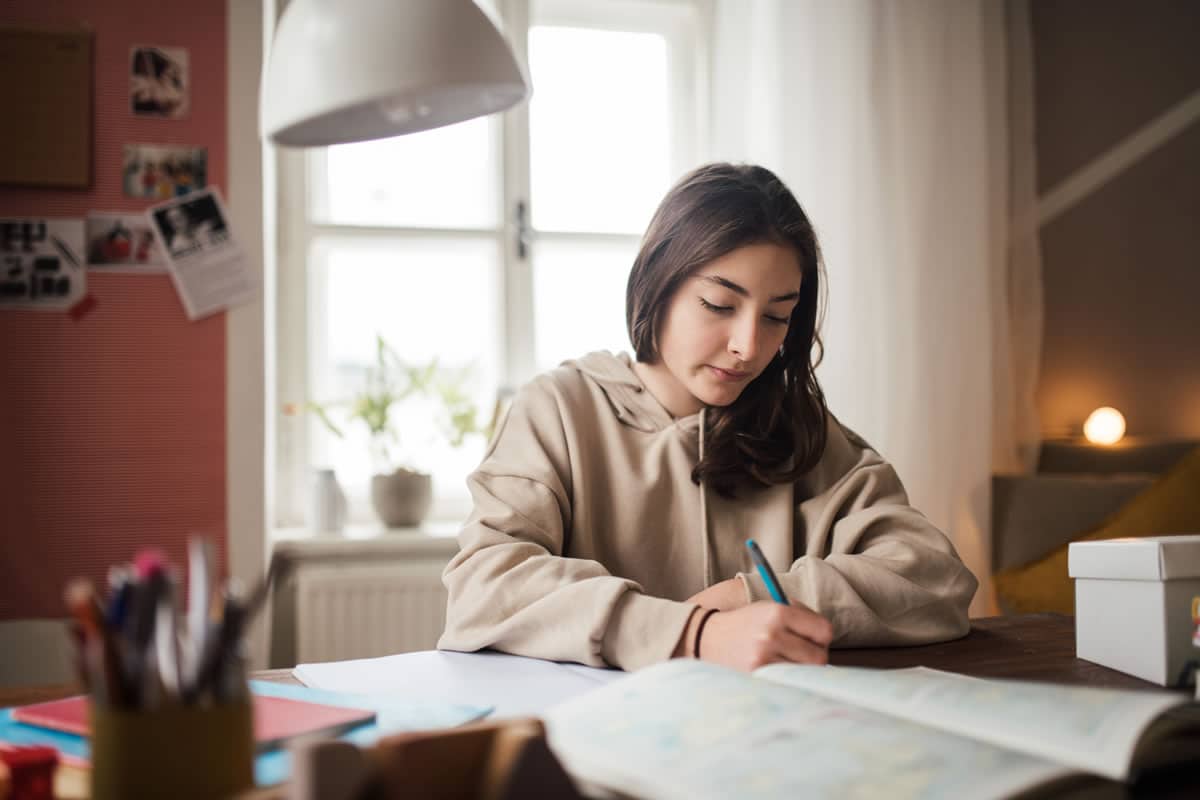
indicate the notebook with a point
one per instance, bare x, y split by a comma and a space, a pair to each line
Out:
695, 730
276, 719
393, 714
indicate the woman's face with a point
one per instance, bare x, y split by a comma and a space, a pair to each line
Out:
178, 218
725, 324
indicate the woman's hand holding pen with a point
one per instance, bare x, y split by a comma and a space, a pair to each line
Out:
760, 633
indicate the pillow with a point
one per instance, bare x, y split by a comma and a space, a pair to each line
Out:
1171, 505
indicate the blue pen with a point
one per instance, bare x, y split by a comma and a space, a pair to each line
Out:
768, 574
120, 584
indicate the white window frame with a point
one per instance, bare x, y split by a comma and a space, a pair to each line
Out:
680, 21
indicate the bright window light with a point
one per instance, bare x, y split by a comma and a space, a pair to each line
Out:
599, 128
443, 178
579, 299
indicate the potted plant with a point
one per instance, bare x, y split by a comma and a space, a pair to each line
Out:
401, 494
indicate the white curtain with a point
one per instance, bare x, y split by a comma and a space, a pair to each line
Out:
888, 121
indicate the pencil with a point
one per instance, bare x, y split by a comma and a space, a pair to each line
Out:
100, 657
768, 574
61, 247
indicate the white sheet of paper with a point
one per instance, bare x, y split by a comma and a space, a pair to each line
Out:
513, 685
41, 263
204, 258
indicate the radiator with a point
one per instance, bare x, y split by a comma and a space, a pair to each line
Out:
363, 611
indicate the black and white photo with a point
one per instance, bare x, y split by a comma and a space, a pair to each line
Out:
193, 224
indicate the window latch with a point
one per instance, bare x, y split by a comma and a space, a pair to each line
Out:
522, 230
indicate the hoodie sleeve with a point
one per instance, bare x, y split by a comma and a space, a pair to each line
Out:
511, 587
873, 565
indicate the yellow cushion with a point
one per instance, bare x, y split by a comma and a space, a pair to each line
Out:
1170, 505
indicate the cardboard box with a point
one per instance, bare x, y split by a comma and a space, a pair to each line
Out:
1134, 604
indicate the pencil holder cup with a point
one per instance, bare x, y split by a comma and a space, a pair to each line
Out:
176, 752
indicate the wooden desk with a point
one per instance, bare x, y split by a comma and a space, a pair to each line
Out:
1029, 647
1034, 647
1037, 647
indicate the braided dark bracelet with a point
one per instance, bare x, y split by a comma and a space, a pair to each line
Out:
700, 629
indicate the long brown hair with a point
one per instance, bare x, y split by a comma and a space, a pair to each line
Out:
775, 431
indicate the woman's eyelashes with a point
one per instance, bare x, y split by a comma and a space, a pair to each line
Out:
716, 309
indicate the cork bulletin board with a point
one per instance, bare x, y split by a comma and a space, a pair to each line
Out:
47, 141
112, 423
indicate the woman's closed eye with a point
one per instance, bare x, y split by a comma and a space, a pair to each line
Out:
716, 309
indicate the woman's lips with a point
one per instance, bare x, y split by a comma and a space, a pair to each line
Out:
728, 375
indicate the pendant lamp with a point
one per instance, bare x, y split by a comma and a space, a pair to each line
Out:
352, 70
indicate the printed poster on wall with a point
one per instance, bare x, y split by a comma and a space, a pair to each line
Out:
206, 262
41, 263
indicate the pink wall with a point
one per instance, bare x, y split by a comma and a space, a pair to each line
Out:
112, 428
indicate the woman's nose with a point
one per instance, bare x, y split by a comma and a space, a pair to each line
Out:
743, 339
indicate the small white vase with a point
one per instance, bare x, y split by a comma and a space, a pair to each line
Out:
326, 503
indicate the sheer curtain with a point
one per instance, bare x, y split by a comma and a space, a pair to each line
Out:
889, 122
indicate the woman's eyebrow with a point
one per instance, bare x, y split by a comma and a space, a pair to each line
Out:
733, 287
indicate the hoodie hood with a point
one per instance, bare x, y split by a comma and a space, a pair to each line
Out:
630, 400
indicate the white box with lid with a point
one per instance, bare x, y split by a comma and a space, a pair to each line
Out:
1134, 604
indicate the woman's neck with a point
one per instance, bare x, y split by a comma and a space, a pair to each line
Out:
667, 390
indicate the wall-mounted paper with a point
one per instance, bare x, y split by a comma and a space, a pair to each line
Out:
159, 81
160, 171
205, 261
41, 263
123, 243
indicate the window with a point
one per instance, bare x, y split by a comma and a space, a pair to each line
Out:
499, 246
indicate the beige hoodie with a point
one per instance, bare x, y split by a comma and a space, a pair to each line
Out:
588, 533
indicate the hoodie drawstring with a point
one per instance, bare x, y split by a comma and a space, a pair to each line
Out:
704, 539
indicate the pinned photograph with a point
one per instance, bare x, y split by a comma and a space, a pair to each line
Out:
41, 263
123, 243
159, 81
160, 172
204, 259
191, 226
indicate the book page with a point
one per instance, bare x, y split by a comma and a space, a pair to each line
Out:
688, 729
1089, 728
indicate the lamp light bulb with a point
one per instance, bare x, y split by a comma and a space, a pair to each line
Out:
1104, 426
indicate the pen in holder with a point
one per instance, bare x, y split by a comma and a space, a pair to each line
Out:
170, 713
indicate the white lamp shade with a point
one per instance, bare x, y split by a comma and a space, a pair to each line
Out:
352, 70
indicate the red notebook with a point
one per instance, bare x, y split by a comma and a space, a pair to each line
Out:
276, 719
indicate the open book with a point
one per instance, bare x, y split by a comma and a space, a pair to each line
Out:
689, 729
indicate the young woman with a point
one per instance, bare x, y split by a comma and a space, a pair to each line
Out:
615, 500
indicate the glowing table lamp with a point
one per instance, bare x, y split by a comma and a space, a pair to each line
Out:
1104, 426
352, 70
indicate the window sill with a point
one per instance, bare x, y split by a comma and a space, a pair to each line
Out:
432, 539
